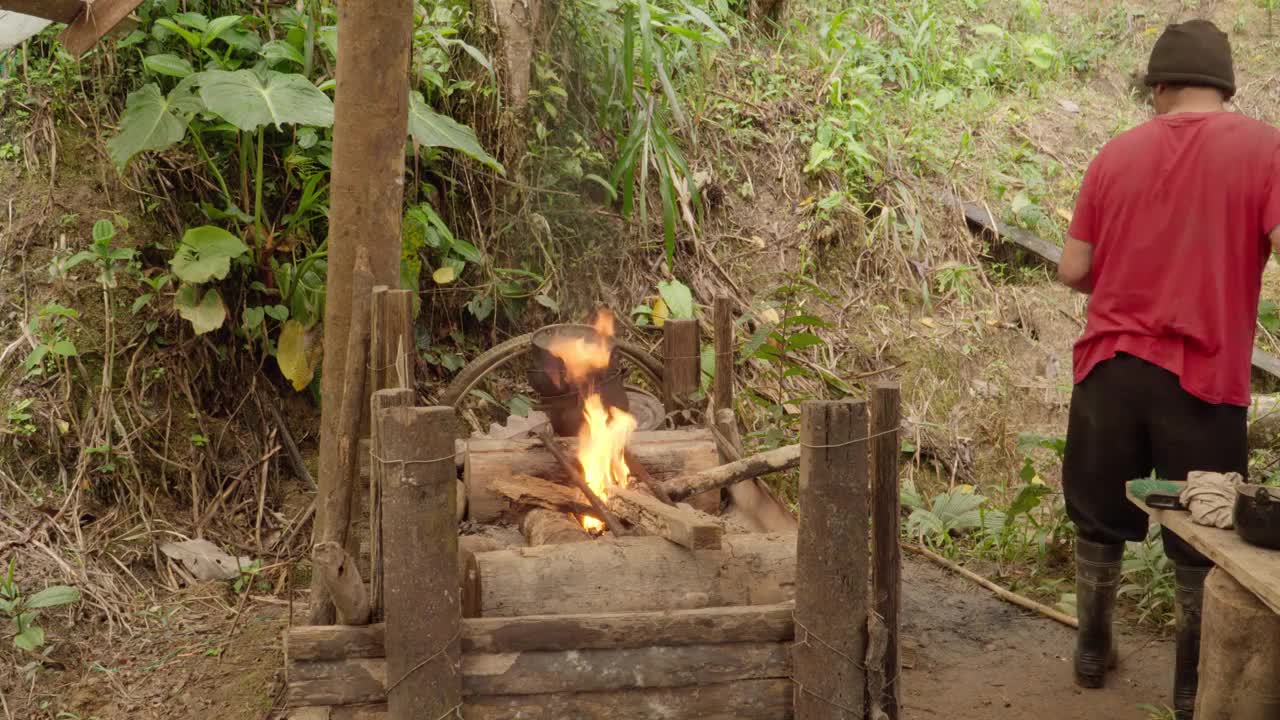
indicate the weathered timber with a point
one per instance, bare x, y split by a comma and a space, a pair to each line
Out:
886, 517
551, 527
380, 400
681, 362
90, 26
338, 572
738, 700
1239, 654
664, 453
526, 490
683, 526
770, 461
63, 11
349, 682
420, 559
573, 469
722, 397
832, 563
630, 574
602, 631
646, 478
338, 489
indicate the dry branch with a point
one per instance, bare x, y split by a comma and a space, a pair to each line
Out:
681, 525
570, 466
770, 461
1003, 594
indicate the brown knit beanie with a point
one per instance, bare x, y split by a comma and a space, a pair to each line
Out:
1196, 53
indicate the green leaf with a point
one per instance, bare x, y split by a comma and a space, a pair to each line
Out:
217, 27
547, 302
168, 64
444, 275
64, 348
468, 251
282, 51
801, 341
103, 231
678, 297
192, 39
431, 129
253, 318
205, 253
148, 123
54, 596
205, 314
277, 312
250, 99
30, 639
141, 302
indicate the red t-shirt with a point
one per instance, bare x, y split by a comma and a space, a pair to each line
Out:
1178, 211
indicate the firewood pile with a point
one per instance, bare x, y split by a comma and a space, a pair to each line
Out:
642, 582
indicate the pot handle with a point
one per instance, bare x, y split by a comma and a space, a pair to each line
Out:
1263, 499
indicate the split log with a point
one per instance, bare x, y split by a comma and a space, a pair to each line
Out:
683, 526
739, 700
1240, 653
681, 362
382, 399
349, 682
604, 631
629, 575
770, 461
665, 454
722, 398
887, 533
338, 572
573, 469
526, 490
550, 527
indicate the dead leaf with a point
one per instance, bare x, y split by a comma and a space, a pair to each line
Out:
1065, 214
1069, 106
205, 561
660, 312
292, 355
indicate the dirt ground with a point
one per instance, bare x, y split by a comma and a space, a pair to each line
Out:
970, 656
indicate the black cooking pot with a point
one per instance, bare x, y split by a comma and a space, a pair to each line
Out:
561, 399
1257, 515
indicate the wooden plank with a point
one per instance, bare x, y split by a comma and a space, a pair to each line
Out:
740, 700
382, 399
832, 562
63, 11
681, 362
886, 511
358, 681
98, 19
603, 631
681, 525
1266, 362
1258, 569
722, 312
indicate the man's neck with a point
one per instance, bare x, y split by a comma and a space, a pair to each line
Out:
1196, 100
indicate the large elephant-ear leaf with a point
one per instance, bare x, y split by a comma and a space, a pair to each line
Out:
431, 129
206, 312
148, 123
250, 99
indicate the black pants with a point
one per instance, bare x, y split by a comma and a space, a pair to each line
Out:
1128, 418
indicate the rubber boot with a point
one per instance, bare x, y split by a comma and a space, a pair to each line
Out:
1097, 578
1186, 676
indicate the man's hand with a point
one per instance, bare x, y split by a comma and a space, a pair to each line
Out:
1075, 269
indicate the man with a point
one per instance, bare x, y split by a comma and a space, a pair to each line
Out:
1172, 229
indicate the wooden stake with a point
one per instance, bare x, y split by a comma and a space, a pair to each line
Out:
770, 461
381, 400
722, 311
337, 569
571, 466
681, 362
420, 558
831, 563
338, 487
683, 526
886, 518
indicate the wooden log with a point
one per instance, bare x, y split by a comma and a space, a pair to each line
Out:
94, 23
573, 469
629, 575
552, 527
420, 558
770, 461
681, 362
526, 490
349, 682
887, 533
664, 453
738, 700
683, 526
831, 563
603, 631
1239, 654
380, 401
722, 313
341, 578
338, 482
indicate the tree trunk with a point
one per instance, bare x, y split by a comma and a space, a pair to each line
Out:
1239, 654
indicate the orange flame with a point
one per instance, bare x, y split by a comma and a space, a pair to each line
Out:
605, 432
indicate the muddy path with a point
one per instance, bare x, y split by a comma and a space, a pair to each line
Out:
970, 656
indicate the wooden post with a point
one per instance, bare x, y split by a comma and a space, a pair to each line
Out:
722, 311
886, 517
382, 400
420, 557
831, 563
394, 322
680, 362
338, 487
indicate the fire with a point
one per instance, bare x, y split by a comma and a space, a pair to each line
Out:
605, 431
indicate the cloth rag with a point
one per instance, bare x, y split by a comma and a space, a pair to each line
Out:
1211, 497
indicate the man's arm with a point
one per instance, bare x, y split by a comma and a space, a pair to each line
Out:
1075, 269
